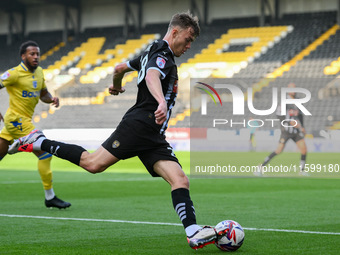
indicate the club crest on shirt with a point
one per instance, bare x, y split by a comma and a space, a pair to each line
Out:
35, 84
160, 62
5, 75
115, 144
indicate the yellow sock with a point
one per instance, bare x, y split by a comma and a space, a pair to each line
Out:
44, 167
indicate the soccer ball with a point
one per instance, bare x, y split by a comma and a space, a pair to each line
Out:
233, 238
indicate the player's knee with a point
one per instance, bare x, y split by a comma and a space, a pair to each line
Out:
186, 182
278, 151
183, 181
94, 168
90, 163
3, 148
2, 154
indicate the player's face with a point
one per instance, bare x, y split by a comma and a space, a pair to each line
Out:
31, 57
182, 41
292, 94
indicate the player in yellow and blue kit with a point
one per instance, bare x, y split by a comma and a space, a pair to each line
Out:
25, 85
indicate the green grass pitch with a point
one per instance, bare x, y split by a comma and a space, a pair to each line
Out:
111, 212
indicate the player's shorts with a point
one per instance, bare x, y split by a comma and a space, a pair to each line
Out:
132, 138
295, 137
15, 126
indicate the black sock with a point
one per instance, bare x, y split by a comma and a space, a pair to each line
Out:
70, 152
302, 162
183, 206
267, 159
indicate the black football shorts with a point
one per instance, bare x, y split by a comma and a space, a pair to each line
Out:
133, 138
295, 137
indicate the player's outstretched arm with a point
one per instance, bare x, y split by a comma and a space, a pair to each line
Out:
118, 75
1, 118
153, 82
297, 124
47, 98
114, 91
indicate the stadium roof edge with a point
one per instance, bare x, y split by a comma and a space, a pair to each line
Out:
20, 5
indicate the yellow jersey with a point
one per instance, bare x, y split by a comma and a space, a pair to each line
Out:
23, 87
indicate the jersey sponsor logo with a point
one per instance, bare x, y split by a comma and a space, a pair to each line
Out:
5, 75
30, 94
17, 125
35, 84
160, 62
115, 144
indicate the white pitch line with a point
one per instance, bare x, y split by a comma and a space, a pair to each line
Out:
69, 181
292, 231
90, 220
160, 223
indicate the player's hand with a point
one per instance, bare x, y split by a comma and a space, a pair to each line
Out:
114, 91
55, 101
161, 113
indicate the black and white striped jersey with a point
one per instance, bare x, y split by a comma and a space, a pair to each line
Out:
159, 56
293, 114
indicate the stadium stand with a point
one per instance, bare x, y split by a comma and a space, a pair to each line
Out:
302, 48
10, 53
307, 72
87, 93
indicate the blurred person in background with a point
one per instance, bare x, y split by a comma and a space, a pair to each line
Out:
252, 125
294, 131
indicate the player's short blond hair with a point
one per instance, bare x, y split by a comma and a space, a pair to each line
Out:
185, 20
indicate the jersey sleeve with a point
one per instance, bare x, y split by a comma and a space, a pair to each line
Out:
134, 64
43, 79
160, 60
8, 78
43, 85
